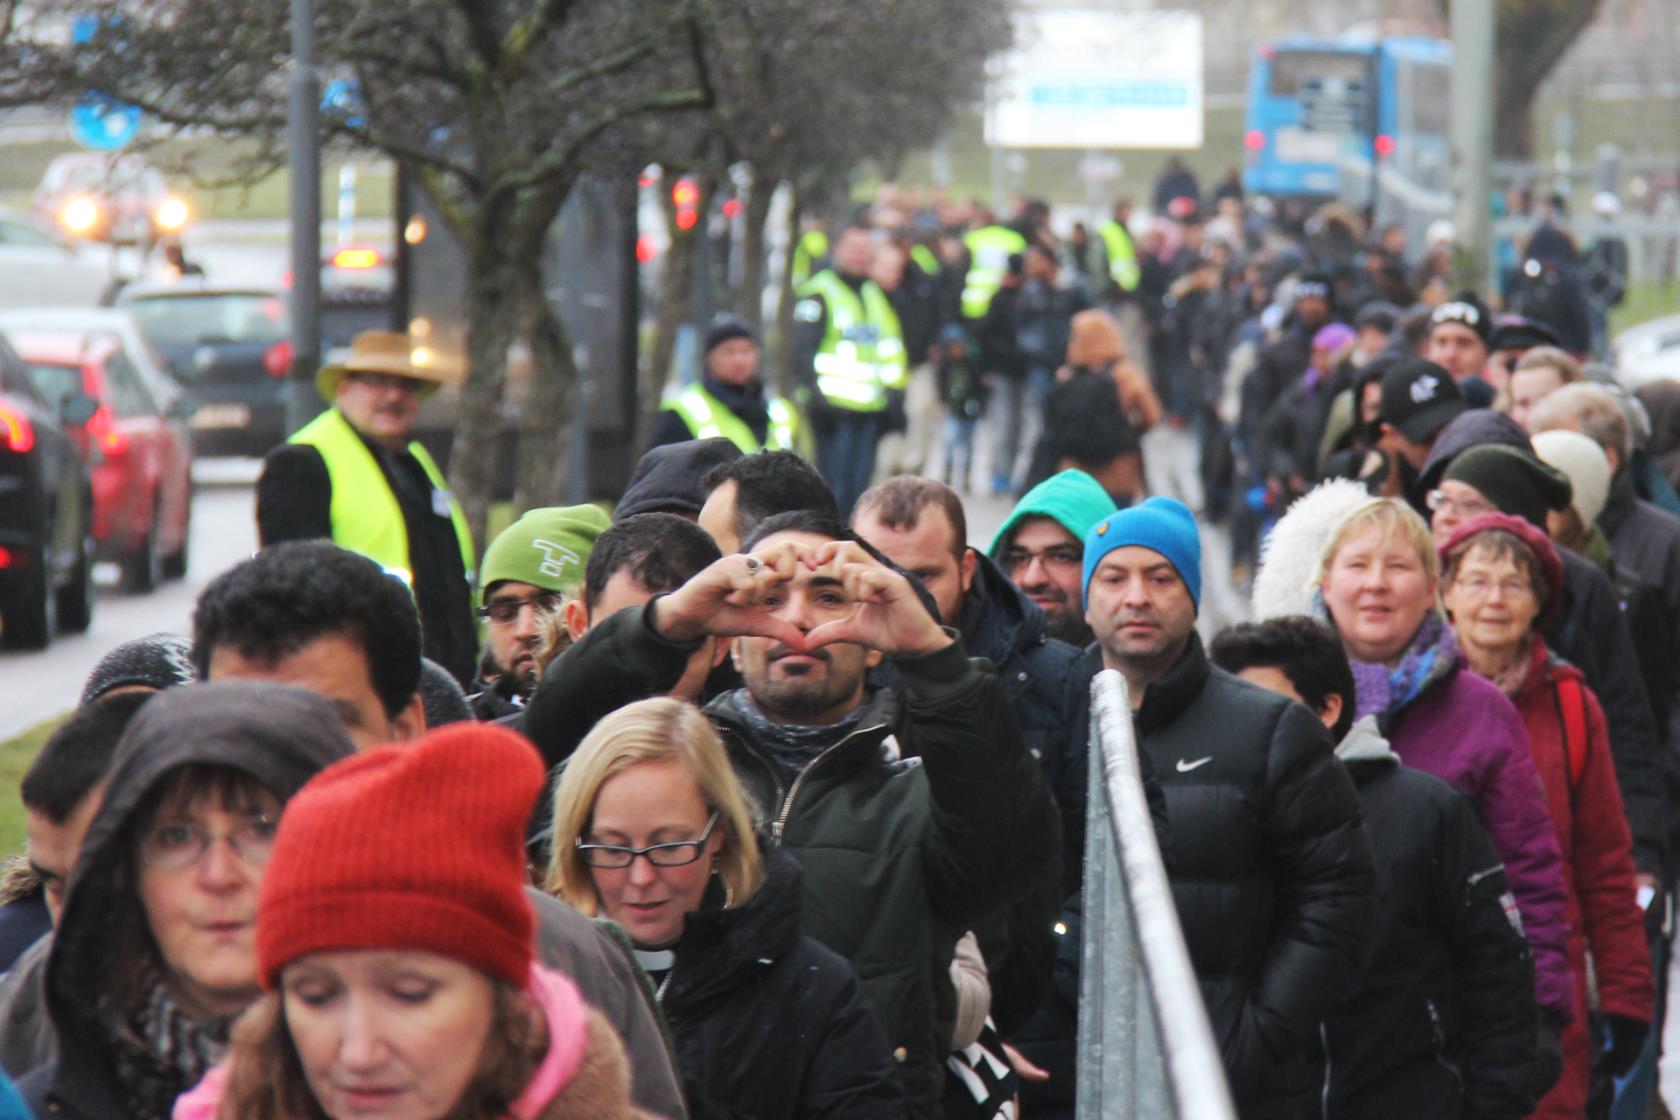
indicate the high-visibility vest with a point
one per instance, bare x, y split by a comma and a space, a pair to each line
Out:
811, 247
366, 517
707, 418
1122, 255
989, 251
862, 353
924, 258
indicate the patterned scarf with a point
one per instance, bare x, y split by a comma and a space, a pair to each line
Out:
1386, 692
162, 1050
793, 745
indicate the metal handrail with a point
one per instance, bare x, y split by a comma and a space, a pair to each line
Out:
1145, 1047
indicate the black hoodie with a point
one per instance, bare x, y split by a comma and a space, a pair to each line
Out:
278, 735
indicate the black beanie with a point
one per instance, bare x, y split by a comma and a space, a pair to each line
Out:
1513, 480
157, 661
725, 328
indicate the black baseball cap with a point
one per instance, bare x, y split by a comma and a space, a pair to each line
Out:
1517, 333
1465, 308
1419, 398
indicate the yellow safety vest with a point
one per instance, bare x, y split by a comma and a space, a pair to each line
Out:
924, 258
1122, 256
989, 251
811, 247
862, 354
707, 418
366, 517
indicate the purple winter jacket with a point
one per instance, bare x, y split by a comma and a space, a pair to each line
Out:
1466, 732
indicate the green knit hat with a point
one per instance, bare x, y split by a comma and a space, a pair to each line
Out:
1072, 498
545, 548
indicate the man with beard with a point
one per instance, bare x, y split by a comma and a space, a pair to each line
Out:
1271, 867
914, 812
1041, 548
528, 571
355, 476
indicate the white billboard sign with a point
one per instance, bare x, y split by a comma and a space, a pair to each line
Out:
1098, 79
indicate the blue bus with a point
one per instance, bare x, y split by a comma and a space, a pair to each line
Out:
1365, 123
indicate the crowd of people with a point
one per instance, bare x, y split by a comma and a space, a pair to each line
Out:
763, 792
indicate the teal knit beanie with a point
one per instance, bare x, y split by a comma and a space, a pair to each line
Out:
1073, 499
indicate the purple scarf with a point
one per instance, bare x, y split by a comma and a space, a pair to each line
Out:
1385, 692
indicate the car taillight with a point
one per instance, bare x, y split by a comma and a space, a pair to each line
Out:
1384, 145
8, 558
109, 438
277, 359
16, 429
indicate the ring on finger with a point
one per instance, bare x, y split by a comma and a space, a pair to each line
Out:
753, 565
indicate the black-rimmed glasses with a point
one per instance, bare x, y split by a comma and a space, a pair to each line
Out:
678, 853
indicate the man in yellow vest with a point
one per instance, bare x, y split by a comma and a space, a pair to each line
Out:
730, 399
849, 362
989, 249
355, 476
1121, 271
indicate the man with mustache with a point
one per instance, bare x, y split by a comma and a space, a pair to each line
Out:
355, 476
914, 812
1041, 547
1271, 868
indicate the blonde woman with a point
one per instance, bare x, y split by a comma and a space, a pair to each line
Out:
653, 830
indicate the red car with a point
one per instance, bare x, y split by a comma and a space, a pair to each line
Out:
136, 445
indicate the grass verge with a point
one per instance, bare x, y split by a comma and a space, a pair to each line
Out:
16, 754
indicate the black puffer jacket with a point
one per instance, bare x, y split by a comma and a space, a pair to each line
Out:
1442, 1023
770, 1024
277, 735
1271, 871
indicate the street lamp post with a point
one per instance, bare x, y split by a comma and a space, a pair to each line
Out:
1473, 32
303, 130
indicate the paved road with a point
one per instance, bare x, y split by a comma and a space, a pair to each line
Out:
38, 686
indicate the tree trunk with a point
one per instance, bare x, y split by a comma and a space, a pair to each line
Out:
676, 294
779, 374
1533, 36
546, 435
750, 299
493, 301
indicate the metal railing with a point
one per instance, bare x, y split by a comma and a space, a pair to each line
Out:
1145, 1047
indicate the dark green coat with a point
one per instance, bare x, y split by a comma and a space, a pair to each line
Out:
904, 844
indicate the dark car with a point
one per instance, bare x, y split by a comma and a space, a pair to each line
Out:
231, 349
46, 512
137, 446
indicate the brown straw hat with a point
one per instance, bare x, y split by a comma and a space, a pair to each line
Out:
378, 352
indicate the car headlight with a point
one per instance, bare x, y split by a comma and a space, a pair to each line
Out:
172, 214
80, 214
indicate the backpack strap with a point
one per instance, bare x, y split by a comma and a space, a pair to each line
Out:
1574, 707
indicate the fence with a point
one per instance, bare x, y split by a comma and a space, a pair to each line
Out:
1145, 1048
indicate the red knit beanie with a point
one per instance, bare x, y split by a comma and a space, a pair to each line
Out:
408, 846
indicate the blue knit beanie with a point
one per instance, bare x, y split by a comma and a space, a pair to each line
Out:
1161, 525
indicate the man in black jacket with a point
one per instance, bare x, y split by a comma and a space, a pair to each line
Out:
913, 813
1271, 868
1442, 1021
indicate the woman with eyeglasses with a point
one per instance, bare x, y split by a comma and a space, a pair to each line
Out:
653, 830
155, 953
1500, 578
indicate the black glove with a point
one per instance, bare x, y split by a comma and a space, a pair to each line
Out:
1548, 1054
1627, 1041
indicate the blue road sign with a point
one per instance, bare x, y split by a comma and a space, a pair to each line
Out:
103, 125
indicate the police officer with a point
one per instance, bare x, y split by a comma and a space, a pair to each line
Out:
1120, 254
850, 362
730, 399
354, 475
989, 249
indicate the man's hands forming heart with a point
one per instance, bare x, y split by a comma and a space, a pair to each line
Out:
765, 594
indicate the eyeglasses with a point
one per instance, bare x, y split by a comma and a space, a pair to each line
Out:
505, 612
380, 382
178, 845
1061, 557
1512, 589
679, 853
1445, 503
